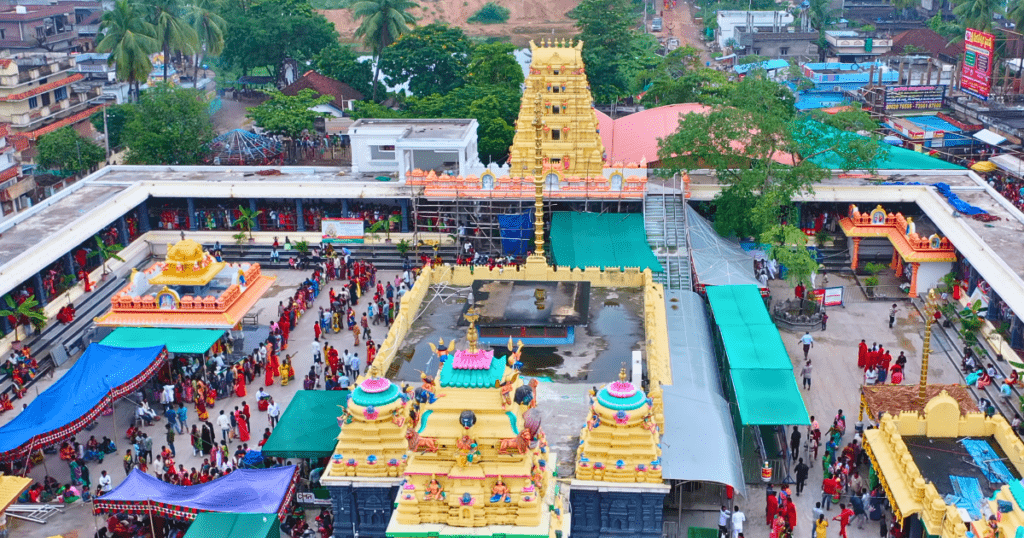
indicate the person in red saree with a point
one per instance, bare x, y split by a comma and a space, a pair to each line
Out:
239, 382
862, 355
201, 406
243, 427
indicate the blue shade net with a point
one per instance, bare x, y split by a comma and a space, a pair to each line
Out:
945, 190
516, 233
967, 495
991, 464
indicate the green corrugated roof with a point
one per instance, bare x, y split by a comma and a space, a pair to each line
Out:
755, 347
737, 305
309, 425
894, 159
176, 340
228, 525
601, 240
769, 398
472, 379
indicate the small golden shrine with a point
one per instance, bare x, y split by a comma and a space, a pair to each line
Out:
477, 455
372, 441
187, 264
556, 132
620, 441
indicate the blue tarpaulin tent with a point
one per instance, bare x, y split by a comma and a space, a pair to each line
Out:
516, 233
101, 375
244, 491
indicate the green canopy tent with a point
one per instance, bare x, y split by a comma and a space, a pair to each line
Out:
226, 525
890, 158
601, 240
737, 305
196, 341
309, 425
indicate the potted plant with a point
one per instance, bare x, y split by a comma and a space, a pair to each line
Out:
383, 226
403, 247
29, 308
106, 252
239, 238
246, 220
302, 247
821, 237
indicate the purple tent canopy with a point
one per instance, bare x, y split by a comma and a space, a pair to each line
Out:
245, 491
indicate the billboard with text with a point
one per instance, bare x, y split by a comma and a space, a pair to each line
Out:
976, 78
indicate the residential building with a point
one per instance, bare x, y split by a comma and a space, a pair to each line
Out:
49, 28
343, 94
15, 189
856, 46
751, 21
39, 93
385, 146
778, 42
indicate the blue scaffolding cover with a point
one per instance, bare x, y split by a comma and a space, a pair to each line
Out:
516, 233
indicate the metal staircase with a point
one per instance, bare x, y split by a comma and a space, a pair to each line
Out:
665, 223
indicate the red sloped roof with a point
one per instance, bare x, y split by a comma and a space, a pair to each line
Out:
324, 86
43, 89
927, 39
5, 62
70, 120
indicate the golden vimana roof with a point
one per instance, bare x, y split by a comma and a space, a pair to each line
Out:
187, 265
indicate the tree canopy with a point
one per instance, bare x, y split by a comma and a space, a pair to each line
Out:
430, 59
262, 33
341, 63
130, 39
117, 118
762, 154
681, 77
68, 151
381, 23
288, 115
492, 64
614, 51
169, 126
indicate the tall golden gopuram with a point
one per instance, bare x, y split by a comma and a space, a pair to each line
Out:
556, 133
620, 441
478, 457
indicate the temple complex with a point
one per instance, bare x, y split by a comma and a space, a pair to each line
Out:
190, 288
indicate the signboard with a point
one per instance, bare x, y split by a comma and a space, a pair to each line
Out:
976, 77
308, 497
829, 296
899, 98
342, 230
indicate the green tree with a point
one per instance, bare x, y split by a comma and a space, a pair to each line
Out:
431, 59
68, 151
681, 77
382, 22
246, 219
106, 252
494, 134
614, 51
823, 18
288, 115
951, 30
342, 63
117, 118
209, 27
492, 64
130, 40
28, 309
744, 144
265, 32
169, 126
976, 14
172, 30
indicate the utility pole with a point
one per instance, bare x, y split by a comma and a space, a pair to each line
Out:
106, 135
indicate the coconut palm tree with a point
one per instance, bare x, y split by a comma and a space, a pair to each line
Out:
209, 28
976, 14
383, 21
172, 30
27, 309
823, 17
130, 40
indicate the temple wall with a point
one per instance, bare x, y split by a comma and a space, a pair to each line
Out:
602, 513
366, 510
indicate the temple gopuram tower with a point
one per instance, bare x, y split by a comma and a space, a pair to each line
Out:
556, 132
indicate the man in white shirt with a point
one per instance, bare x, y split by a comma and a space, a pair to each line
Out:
737, 521
344, 382
723, 522
105, 482
808, 341
225, 425
272, 413
353, 365
314, 346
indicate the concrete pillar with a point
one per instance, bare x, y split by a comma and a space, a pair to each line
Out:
855, 254
122, 231
405, 215
193, 223
69, 262
913, 278
256, 222
894, 264
40, 293
144, 216
300, 224
344, 209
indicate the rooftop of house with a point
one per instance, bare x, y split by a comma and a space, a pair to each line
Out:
324, 86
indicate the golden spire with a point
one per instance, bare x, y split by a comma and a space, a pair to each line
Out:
926, 350
471, 333
538, 225
622, 373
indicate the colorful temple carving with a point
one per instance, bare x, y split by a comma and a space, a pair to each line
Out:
556, 139
478, 457
912, 253
620, 441
372, 441
188, 289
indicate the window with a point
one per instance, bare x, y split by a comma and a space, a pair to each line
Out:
555, 110
3, 33
33, 102
554, 89
382, 153
46, 99
757, 52
556, 71
556, 161
556, 134
60, 93
783, 51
